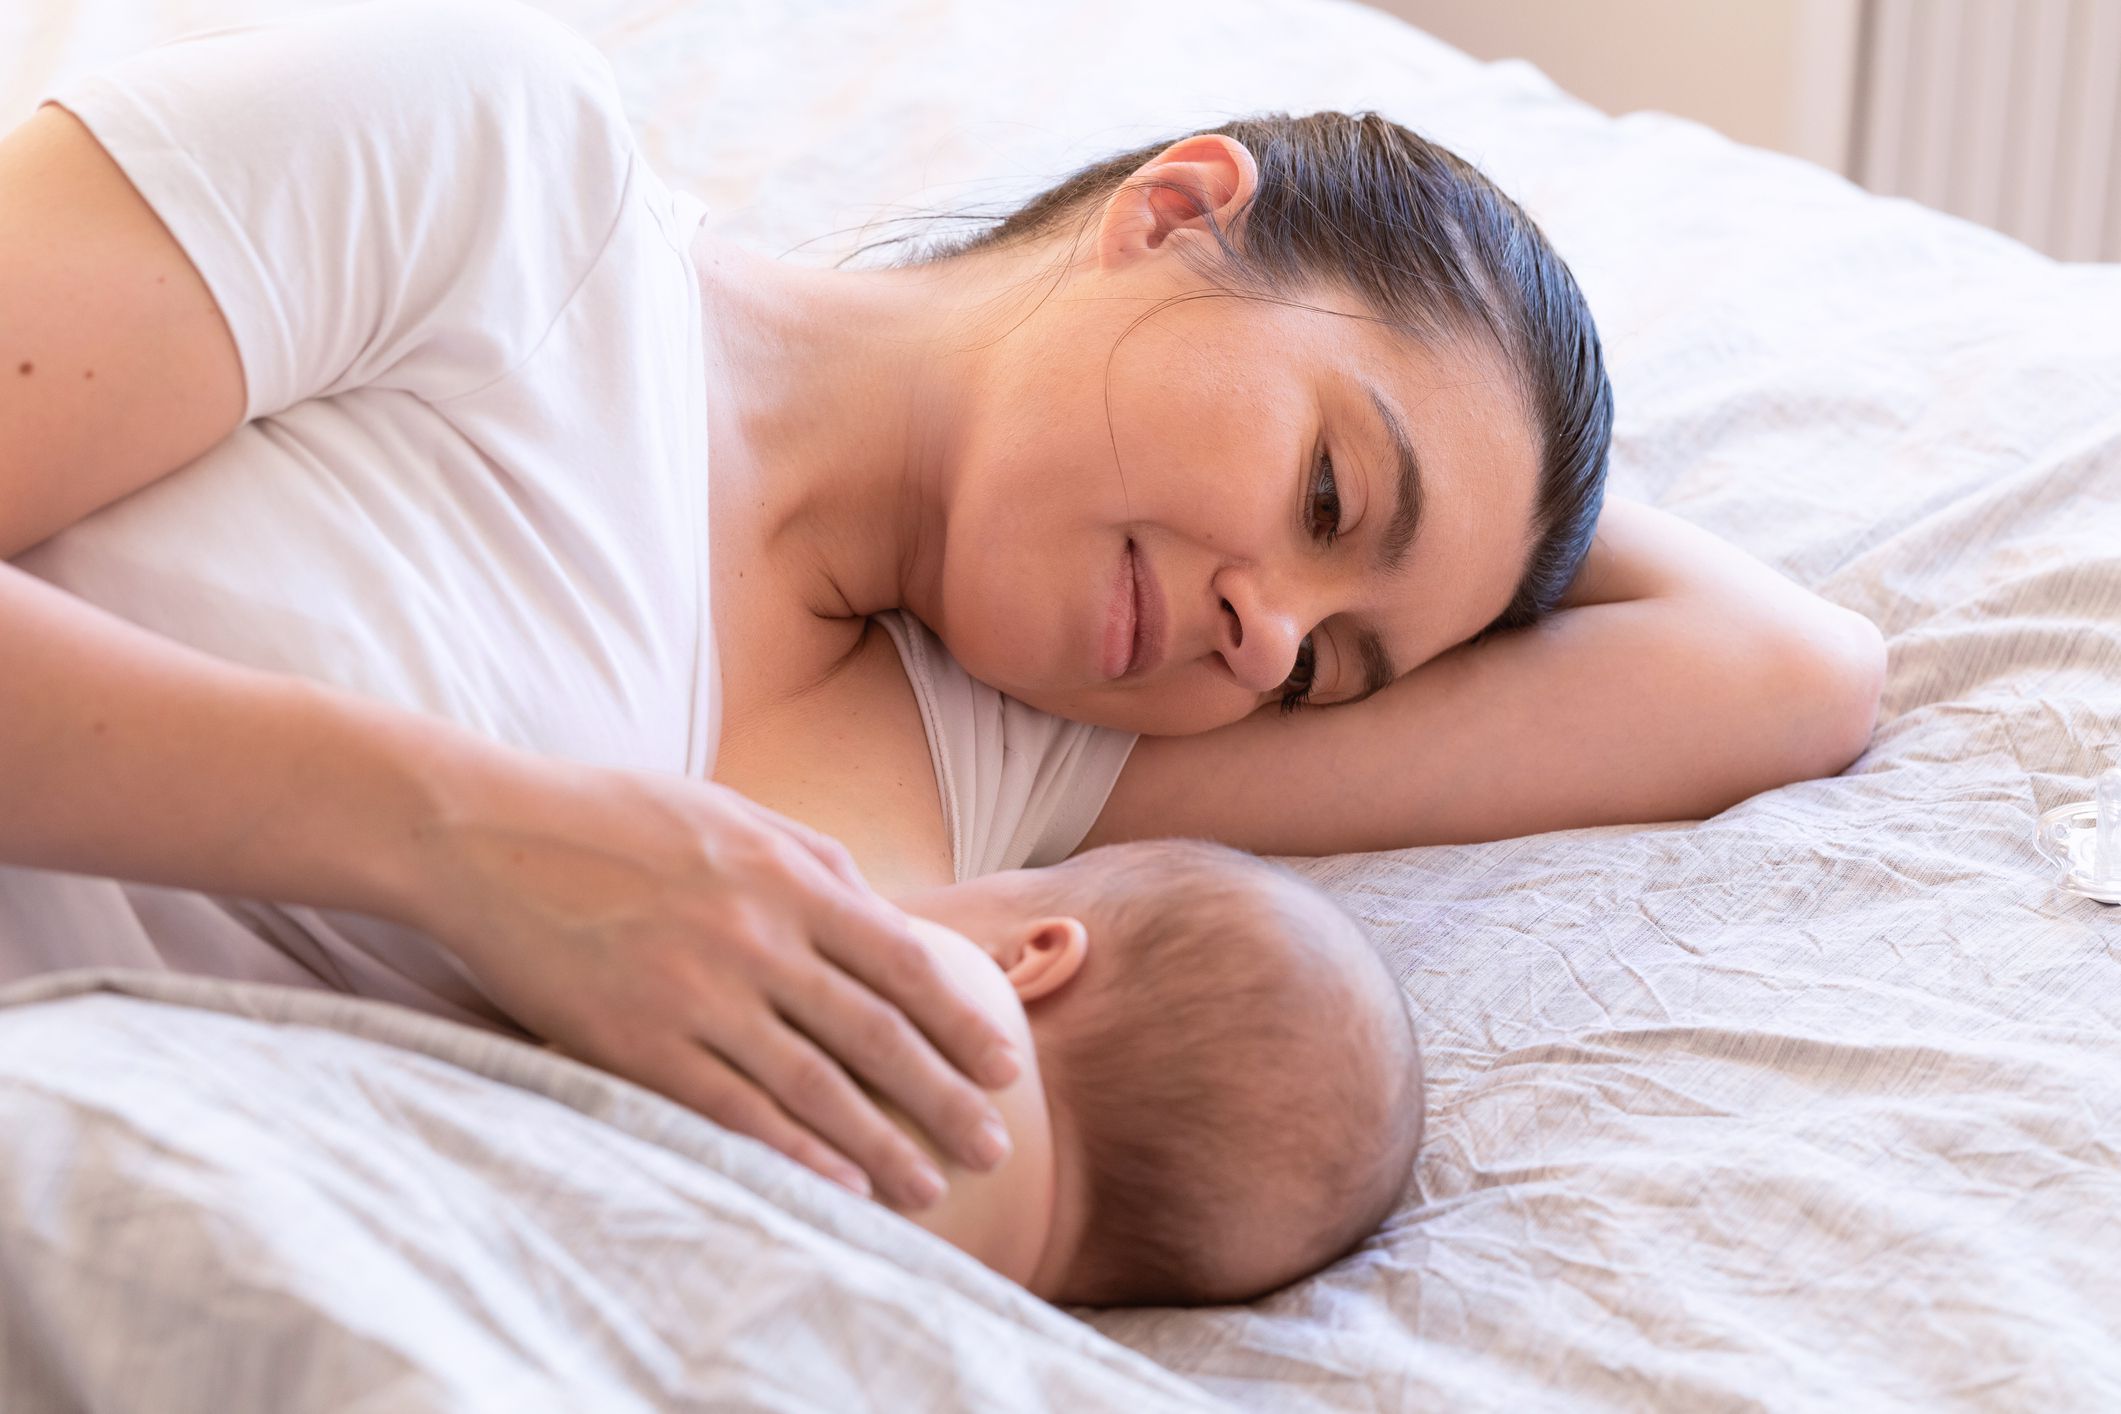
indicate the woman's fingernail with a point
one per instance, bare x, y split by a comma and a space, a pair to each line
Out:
990, 1145
923, 1186
998, 1067
854, 1180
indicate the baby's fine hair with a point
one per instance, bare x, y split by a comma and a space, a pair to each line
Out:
1253, 1057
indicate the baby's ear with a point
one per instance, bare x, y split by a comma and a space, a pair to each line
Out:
1049, 953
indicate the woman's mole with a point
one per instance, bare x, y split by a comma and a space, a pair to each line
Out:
26, 369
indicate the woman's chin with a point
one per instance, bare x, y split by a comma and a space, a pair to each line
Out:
1023, 669
1129, 708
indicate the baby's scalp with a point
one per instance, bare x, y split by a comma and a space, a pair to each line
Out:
1241, 1068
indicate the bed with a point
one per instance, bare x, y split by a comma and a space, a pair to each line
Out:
1808, 1105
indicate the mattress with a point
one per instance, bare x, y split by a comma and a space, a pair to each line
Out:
1808, 1105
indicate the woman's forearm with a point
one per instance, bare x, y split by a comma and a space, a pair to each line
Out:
1682, 677
127, 755
1627, 712
1678, 679
662, 928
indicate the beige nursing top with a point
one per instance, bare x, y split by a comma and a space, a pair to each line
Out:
1019, 787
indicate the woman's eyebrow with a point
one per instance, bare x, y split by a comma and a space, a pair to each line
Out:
1392, 546
1378, 671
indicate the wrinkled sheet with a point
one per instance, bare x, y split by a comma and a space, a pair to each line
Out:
220, 1195
1810, 1105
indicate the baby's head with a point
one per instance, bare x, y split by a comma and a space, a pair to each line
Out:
1222, 1089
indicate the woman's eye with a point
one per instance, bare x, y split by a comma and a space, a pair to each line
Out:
1325, 526
1325, 501
1296, 688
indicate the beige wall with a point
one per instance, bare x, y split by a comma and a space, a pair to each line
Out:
1773, 73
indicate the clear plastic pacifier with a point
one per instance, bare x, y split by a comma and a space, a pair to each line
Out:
2085, 839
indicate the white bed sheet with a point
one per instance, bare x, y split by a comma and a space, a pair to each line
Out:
1810, 1105
221, 1196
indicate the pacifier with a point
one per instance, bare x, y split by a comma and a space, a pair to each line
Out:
2085, 839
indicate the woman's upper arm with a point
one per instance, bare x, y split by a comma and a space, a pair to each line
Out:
395, 194
118, 365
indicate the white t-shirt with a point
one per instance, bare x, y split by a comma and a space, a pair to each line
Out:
472, 475
472, 479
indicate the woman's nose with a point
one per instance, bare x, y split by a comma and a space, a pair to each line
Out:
1259, 635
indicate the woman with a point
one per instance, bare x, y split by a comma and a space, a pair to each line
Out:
422, 642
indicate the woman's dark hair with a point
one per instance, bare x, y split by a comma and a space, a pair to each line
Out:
1359, 203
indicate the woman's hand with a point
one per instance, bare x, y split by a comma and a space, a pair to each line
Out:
680, 935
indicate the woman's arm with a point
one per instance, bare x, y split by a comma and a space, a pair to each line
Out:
656, 926
1679, 677
130, 756
663, 928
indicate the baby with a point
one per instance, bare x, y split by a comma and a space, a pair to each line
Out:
1221, 1091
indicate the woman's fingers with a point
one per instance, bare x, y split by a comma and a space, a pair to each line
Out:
904, 1021
816, 1091
852, 1032
868, 1034
875, 1041
870, 937
700, 1080
751, 920
876, 944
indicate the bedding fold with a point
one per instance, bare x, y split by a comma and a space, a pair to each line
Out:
247, 1196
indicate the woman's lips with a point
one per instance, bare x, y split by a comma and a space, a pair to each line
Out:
1148, 615
1120, 618
1134, 618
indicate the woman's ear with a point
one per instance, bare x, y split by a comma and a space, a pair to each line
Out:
1220, 173
1050, 952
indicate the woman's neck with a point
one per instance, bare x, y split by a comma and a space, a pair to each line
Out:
834, 401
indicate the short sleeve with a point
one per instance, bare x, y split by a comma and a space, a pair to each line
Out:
398, 193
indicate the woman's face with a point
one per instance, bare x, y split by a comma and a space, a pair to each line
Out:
1240, 434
